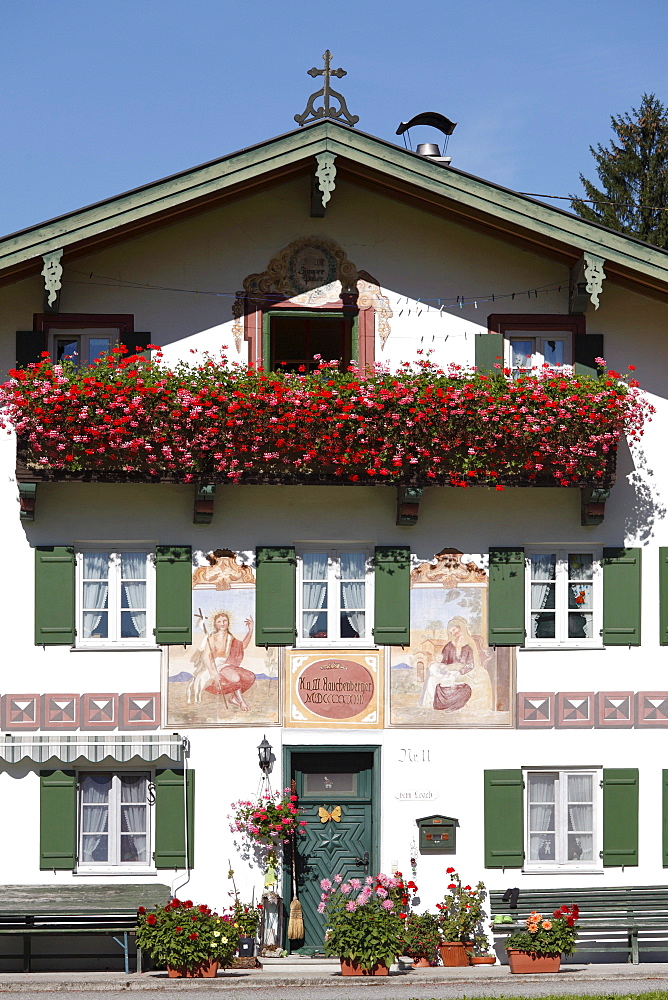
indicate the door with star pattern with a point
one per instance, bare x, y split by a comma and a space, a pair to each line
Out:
335, 792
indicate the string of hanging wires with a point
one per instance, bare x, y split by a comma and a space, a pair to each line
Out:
401, 303
594, 201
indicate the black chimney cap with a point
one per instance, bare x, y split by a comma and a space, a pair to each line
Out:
432, 118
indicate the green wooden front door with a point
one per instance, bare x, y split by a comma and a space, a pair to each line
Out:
336, 797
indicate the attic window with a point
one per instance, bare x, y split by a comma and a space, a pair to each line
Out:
295, 339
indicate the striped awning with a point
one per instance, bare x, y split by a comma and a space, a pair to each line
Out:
78, 746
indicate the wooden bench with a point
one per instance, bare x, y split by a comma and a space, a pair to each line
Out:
631, 919
30, 911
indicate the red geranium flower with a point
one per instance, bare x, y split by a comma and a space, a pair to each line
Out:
193, 936
141, 909
151, 919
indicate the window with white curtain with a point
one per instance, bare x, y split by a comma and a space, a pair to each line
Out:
562, 808
530, 351
114, 819
563, 598
115, 597
335, 597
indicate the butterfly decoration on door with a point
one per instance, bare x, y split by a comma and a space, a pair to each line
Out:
325, 815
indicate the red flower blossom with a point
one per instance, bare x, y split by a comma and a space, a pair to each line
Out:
151, 919
141, 909
193, 936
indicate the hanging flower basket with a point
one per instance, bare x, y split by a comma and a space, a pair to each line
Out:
129, 419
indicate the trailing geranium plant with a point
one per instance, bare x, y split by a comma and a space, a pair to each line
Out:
184, 935
555, 935
266, 824
128, 417
421, 935
364, 918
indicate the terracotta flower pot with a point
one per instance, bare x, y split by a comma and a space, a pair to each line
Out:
454, 954
205, 970
526, 962
483, 959
421, 963
351, 968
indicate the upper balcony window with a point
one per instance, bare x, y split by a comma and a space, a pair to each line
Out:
296, 339
525, 343
526, 353
77, 337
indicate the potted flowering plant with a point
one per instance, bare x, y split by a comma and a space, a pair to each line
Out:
265, 825
190, 940
461, 919
364, 922
421, 938
539, 948
246, 919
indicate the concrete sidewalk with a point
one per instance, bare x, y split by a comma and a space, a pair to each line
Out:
425, 982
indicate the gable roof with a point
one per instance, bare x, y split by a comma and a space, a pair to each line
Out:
364, 159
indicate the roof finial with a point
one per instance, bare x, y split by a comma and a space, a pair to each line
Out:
325, 111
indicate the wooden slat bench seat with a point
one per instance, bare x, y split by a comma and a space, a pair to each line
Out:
31, 911
631, 919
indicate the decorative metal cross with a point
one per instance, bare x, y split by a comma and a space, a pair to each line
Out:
326, 110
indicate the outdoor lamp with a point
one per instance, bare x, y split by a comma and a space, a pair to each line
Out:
264, 755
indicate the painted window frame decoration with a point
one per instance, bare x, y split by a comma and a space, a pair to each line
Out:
222, 678
113, 607
551, 853
567, 597
334, 689
448, 677
333, 595
113, 828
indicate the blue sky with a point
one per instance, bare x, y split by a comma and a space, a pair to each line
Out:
98, 96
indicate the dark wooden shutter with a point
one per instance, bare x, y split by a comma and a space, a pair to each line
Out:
663, 596
173, 594
275, 596
620, 817
489, 352
136, 343
586, 347
504, 819
174, 808
54, 595
57, 820
29, 347
664, 804
392, 595
506, 597
621, 597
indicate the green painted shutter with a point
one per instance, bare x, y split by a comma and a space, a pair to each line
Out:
620, 817
392, 595
586, 347
275, 596
57, 820
29, 347
506, 597
489, 352
663, 596
621, 597
174, 798
664, 787
136, 343
504, 819
173, 594
54, 595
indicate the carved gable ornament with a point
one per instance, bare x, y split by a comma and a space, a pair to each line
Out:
311, 271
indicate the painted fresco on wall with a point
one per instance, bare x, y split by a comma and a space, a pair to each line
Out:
335, 690
223, 678
448, 676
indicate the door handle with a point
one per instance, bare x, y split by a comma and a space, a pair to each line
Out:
364, 861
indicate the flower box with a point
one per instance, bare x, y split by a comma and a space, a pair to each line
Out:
128, 419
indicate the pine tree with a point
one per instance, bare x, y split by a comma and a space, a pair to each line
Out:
634, 176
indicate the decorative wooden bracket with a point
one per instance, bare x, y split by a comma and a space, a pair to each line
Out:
205, 494
323, 183
27, 501
52, 272
408, 505
586, 283
592, 506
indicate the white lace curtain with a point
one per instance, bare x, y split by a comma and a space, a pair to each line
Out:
133, 594
96, 593
314, 594
352, 589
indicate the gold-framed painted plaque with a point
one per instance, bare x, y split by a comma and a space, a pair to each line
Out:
334, 689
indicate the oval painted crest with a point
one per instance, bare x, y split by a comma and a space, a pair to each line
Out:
335, 689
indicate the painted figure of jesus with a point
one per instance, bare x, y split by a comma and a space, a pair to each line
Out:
223, 653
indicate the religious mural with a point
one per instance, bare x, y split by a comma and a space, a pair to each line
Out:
223, 678
448, 676
341, 690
